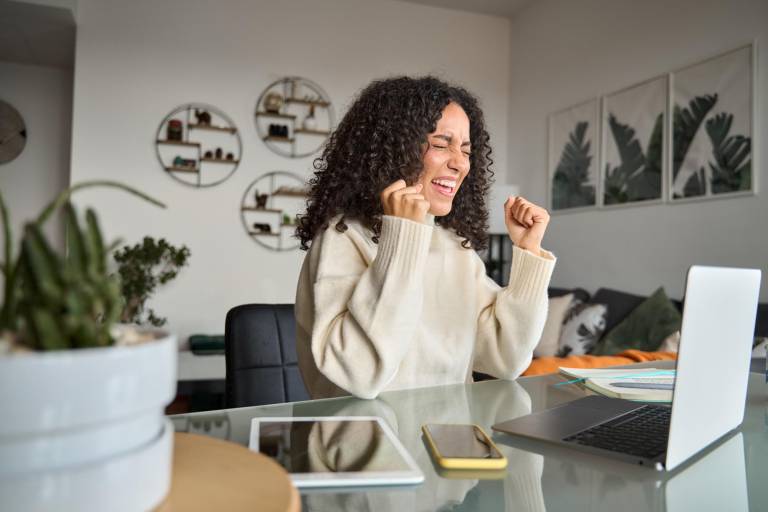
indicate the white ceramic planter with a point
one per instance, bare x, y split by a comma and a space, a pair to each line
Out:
133, 481
73, 407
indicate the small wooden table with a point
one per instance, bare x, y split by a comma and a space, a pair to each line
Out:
210, 474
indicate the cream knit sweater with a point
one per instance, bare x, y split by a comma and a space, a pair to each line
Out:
414, 310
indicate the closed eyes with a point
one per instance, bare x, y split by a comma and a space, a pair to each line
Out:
438, 146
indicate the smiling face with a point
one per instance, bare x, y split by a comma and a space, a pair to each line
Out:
446, 160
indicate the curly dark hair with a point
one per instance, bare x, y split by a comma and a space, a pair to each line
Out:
380, 140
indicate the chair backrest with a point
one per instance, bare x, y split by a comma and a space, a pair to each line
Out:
260, 348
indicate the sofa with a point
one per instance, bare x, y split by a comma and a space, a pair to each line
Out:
618, 306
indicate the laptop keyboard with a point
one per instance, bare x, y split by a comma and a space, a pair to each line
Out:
642, 433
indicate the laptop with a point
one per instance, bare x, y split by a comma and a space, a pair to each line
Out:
709, 393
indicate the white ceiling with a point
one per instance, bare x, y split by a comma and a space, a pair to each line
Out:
39, 35
504, 8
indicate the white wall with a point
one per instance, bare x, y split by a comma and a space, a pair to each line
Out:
43, 97
136, 61
564, 52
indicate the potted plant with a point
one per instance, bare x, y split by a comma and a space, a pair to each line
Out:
82, 396
142, 268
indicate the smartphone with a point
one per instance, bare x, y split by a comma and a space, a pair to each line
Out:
462, 447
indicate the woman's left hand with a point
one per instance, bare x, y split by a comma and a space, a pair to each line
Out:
526, 223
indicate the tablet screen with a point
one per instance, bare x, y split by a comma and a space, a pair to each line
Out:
330, 446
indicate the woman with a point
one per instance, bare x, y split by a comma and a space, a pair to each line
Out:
392, 294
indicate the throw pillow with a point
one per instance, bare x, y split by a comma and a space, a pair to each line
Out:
644, 328
583, 327
759, 347
550, 335
671, 343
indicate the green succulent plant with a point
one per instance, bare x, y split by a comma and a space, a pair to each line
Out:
53, 301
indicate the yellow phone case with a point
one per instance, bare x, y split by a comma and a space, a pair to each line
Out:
464, 463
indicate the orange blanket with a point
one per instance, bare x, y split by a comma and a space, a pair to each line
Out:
543, 365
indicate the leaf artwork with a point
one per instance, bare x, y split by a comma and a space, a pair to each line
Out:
647, 184
638, 176
732, 168
686, 123
695, 185
570, 188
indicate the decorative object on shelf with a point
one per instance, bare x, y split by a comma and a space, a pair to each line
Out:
261, 200
273, 102
183, 158
230, 156
260, 228
180, 162
175, 130
13, 133
206, 344
633, 143
142, 268
712, 127
307, 110
59, 334
278, 131
203, 117
573, 167
269, 209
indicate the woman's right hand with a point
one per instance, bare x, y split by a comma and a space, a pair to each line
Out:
400, 200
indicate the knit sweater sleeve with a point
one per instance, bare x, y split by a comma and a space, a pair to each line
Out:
366, 316
511, 319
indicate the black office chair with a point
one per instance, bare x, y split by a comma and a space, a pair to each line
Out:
260, 349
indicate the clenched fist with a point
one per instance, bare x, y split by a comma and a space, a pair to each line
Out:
400, 200
526, 223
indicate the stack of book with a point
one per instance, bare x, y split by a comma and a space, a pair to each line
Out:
645, 385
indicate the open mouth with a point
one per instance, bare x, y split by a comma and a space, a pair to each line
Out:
444, 187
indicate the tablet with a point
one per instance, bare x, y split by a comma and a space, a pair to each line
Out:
335, 451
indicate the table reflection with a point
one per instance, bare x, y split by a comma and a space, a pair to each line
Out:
406, 412
538, 473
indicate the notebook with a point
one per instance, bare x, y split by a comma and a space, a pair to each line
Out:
634, 384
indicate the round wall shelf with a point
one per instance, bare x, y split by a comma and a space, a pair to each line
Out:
294, 117
269, 209
198, 145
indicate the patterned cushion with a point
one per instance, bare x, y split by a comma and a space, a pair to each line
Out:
620, 304
583, 327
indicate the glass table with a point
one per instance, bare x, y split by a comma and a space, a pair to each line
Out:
732, 474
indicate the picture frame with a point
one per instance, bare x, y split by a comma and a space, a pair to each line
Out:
572, 158
713, 127
633, 156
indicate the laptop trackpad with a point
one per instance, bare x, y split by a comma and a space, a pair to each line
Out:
565, 420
